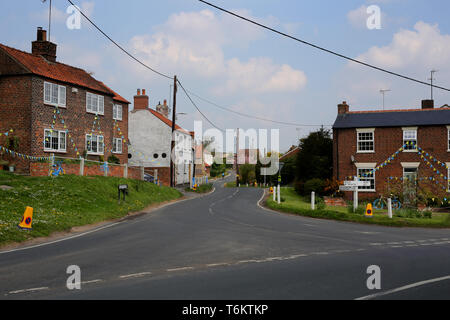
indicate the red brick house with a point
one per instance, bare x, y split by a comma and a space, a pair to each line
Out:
390, 146
54, 108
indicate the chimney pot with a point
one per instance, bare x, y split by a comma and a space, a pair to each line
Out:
143, 92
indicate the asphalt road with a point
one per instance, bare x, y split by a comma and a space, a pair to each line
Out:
225, 246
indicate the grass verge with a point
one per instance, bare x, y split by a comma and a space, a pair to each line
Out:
297, 205
205, 188
69, 201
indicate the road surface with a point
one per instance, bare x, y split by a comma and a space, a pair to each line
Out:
225, 246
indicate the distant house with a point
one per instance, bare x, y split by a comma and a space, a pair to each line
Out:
54, 108
292, 153
150, 133
393, 145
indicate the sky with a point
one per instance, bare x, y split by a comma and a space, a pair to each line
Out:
248, 69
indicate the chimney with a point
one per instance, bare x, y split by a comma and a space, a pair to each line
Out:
163, 109
42, 47
427, 104
141, 101
343, 108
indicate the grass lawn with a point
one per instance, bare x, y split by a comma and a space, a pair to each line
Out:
298, 205
69, 201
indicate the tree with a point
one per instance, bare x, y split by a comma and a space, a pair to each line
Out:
315, 159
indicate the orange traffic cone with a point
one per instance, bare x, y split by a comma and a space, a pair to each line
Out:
27, 219
369, 211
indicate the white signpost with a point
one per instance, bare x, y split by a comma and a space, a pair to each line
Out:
353, 186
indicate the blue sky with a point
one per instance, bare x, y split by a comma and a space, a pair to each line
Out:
247, 69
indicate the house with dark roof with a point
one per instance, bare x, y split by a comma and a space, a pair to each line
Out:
392, 147
53, 108
150, 132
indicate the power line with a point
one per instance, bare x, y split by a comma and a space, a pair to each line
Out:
118, 45
198, 109
321, 48
256, 117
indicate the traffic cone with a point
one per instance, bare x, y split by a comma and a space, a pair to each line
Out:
271, 190
27, 219
369, 211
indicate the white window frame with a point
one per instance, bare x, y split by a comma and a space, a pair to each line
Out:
448, 138
448, 176
368, 130
56, 98
367, 166
412, 129
116, 109
60, 134
100, 145
100, 103
117, 142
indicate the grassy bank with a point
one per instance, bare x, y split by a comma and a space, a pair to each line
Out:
295, 204
68, 201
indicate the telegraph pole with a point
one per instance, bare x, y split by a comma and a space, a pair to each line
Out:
174, 115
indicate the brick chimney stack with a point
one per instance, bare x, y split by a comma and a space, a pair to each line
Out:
42, 47
141, 101
163, 109
343, 108
427, 104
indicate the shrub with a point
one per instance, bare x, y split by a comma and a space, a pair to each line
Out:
361, 210
316, 185
113, 159
320, 204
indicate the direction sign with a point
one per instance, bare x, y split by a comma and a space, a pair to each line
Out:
357, 183
348, 188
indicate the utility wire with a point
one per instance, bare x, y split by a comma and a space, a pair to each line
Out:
256, 117
198, 109
118, 45
321, 48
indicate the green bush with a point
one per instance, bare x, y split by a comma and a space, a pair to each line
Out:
316, 185
320, 204
361, 210
113, 159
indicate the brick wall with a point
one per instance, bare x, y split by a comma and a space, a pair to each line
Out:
40, 169
387, 141
163, 174
15, 111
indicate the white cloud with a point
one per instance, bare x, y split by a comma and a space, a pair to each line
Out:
196, 42
413, 53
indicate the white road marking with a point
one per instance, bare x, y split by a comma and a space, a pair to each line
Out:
320, 253
414, 285
91, 281
28, 290
135, 275
212, 265
180, 269
61, 240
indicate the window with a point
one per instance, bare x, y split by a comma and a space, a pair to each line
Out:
366, 140
117, 112
54, 94
410, 139
94, 144
367, 175
95, 103
365, 172
117, 145
54, 141
448, 133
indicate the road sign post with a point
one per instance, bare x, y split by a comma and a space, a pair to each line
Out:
353, 186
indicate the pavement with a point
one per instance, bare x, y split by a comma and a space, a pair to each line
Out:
226, 246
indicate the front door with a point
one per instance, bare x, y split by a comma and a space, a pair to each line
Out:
410, 185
